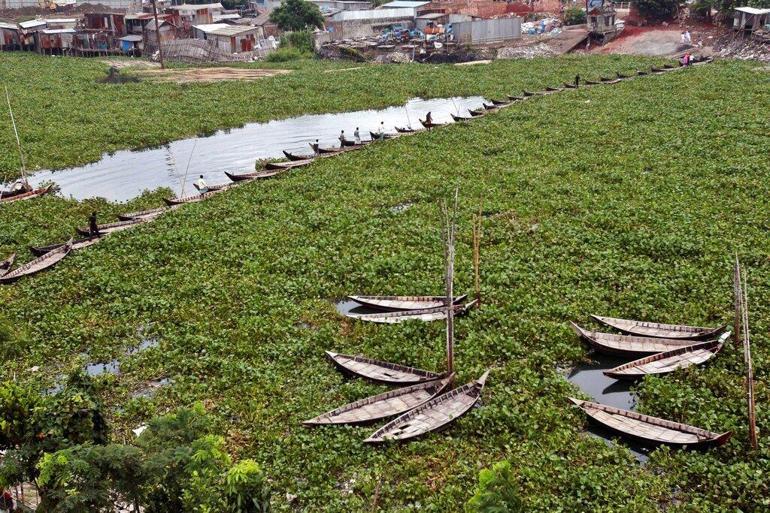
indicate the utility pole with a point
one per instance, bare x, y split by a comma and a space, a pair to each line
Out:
157, 33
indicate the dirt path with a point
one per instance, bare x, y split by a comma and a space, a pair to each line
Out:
187, 75
646, 41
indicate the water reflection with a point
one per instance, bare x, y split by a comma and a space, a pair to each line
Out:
125, 174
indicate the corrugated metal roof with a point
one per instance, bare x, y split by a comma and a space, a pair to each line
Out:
399, 4
432, 16
131, 37
61, 20
195, 7
375, 14
223, 29
4, 25
32, 24
59, 31
752, 10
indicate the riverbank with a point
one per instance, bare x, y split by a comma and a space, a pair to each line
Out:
625, 200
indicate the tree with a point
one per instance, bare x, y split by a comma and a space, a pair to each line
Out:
297, 15
657, 9
497, 491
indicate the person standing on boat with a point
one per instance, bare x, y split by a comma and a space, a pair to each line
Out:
381, 131
577, 80
93, 226
20, 187
316, 146
428, 118
201, 185
342, 139
357, 136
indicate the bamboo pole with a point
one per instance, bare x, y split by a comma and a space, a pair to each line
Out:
450, 219
477, 257
738, 299
189, 159
749, 368
18, 141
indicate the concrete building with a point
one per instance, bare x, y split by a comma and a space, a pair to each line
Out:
342, 5
230, 38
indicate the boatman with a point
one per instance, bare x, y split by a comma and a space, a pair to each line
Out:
20, 187
93, 227
577, 81
428, 118
357, 136
201, 185
316, 146
342, 139
381, 131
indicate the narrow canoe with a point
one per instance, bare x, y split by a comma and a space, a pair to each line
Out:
629, 345
515, 98
478, 112
294, 157
529, 93
705, 60
400, 303
26, 195
288, 165
117, 226
190, 199
650, 429
384, 136
669, 66
432, 415
642, 73
76, 244
431, 124
657, 70
501, 103
381, 406
214, 187
669, 361
656, 329
348, 143
401, 130
257, 175
461, 118
605, 79
6, 264
591, 82
142, 214
39, 264
424, 315
554, 89
621, 75
570, 86
379, 371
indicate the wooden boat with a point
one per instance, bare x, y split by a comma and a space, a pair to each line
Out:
591, 82
650, 429
401, 130
401, 303
39, 264
215, 187
669, 361
287, 165
621, 75
529, 93
489, 106
76, 244
117, 226
425, 314
142, 214
606, 79
613, 81
191, 199
669, 66
256, 175
610, 343
515, 98
642, 73
702, 60
6, 264
459, 119
570, 86
379, 371
656, 329
501, 103
432, 415
384, 136
293, 157
381, 406
657, 70
25, 195
431, 124
553, 89
477, 112
347, 143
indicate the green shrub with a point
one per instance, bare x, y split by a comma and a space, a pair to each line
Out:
574, 16
497, 491
657, 9
285, 55
302, 41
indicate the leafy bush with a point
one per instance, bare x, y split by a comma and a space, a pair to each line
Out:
657, 9
574, 16
302, 41
497, 491
285, 55
296, 15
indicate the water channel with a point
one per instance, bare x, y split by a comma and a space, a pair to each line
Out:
125, 174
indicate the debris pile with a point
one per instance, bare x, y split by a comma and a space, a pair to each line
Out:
526, 52
743, 49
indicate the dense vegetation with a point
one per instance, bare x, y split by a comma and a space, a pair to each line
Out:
628, 200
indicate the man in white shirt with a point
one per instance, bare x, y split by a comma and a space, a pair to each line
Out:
201, 185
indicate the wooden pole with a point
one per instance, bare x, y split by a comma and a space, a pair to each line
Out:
749, 369
738, 299
477, 257
18, 141
157, 33
450, 221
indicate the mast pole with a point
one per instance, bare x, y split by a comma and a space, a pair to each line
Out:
450, 218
